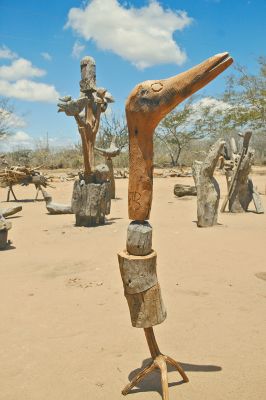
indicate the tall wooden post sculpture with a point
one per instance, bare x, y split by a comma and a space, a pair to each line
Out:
91, 193
146, 105
241, 190
208, 191
109, 154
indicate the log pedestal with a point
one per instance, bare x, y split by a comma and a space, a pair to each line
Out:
142, 291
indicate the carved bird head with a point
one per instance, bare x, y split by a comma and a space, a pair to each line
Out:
153, 100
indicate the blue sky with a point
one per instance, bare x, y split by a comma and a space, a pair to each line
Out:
42, 41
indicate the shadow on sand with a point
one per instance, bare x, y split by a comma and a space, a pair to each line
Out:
152, 383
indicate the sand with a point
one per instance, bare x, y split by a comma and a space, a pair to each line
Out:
65, 330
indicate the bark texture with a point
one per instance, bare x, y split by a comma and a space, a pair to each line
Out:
91, 202
146, 308
138, 272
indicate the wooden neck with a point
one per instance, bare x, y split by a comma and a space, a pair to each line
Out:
140, 172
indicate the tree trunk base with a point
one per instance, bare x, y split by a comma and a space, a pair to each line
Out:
3, 239
83, 220
91, 202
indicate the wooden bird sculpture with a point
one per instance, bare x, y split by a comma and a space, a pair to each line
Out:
109, 154
146, 105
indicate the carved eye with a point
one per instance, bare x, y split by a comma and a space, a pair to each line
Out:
157, 86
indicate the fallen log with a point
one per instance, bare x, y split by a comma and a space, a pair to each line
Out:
56, 208
184, 190
7, 212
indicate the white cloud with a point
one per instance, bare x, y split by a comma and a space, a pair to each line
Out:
11, 119
28, 90
6, 53
207, 105
46, 56
20, 68
77, 49
20, 139
143, 36
16, 80
211, 103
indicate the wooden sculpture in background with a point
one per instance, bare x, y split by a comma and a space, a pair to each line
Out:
91, 190
241, 190
109, 154
55, 208
22, 175
146, 105
208, 191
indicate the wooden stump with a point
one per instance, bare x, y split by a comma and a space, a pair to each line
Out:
184, 190
142, 290
4, 228
208, 191
139, 238
92, 201
139, 276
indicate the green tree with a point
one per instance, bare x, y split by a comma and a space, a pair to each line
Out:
199, 118
111, 126
246, 94
6, 120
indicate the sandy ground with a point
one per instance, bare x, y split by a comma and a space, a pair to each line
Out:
65, 330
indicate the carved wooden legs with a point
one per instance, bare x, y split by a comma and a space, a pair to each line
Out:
38, 189
10, 190
139, 377
160, 361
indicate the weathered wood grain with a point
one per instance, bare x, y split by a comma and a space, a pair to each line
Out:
138, 272
208, 191
7, 212
139, 238
91, 202
146, 308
